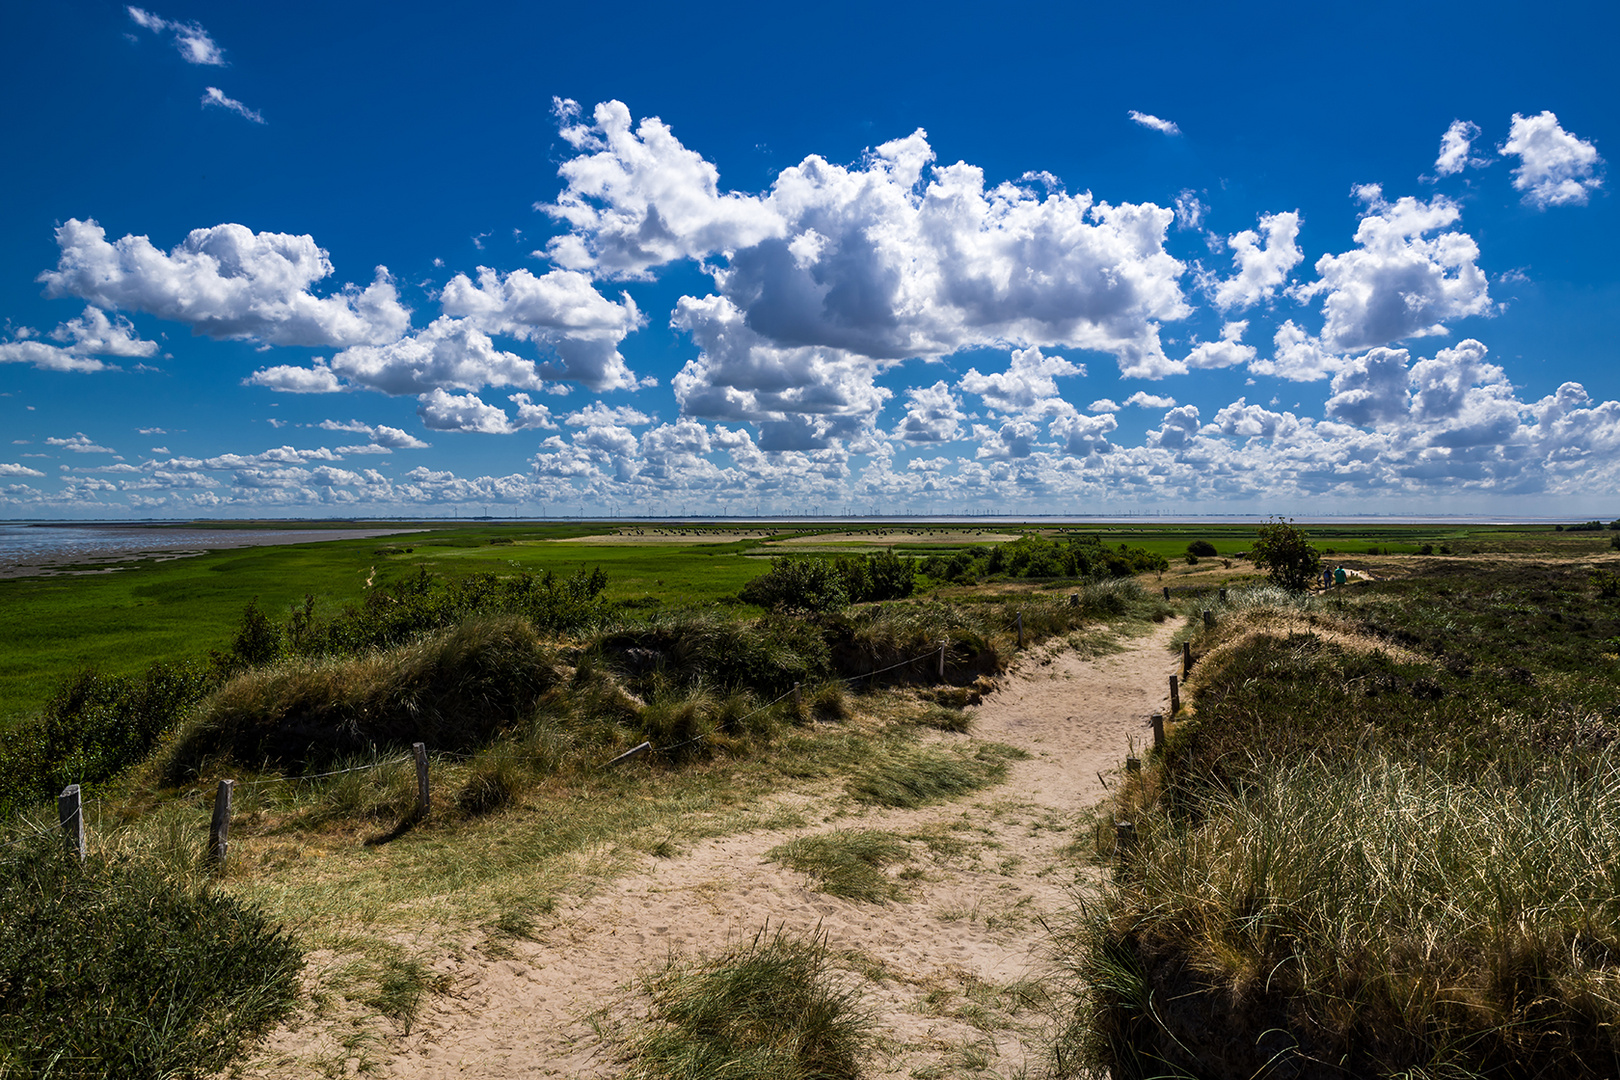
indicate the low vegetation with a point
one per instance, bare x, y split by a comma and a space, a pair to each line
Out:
1383, 844
774, 1008
846, 862
131, 966
1381, 841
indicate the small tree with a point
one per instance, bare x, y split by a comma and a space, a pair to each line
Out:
1286, 556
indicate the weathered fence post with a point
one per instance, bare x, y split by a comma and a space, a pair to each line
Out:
1133, 764
1020, 629
1175, 696
219, 830
1124, 838
1209, 619
942, 661
1167, 592
423, 801
631, 754
798, 697
1186, 658
1223, 596
70, 810
1158, 731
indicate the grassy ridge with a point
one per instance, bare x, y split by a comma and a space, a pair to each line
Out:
1383, 845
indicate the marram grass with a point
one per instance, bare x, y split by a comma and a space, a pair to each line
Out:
1365, 918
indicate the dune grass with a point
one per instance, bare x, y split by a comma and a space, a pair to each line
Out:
909, 776
131, 966
774, 1008
1384, 844
846, 862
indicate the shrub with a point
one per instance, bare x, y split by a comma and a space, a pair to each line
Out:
93, 726
773, 1009
824, 585
1202, 548
111, 968
1285, 554
1607, 583
799, 585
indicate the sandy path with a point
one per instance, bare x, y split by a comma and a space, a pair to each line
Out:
966, 930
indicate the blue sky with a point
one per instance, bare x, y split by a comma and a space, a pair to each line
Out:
351, 259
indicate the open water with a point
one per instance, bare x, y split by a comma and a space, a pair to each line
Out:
54, 548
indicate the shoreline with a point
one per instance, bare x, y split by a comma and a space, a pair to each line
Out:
104, 558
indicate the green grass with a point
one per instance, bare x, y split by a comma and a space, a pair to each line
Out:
846, 862
1385, 839
123, 967
122, 621
774, 1008
901, 775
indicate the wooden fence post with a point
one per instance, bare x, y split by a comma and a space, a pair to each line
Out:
631, 754
423, 800
1175, 696
1158, 731
70, 810
798, 697
1167, 592
1124, 838
1223, 596
942, 661
1209, 619
1020, 629
1186, 658
219, 830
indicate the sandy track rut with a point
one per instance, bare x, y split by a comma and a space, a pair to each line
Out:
969, 924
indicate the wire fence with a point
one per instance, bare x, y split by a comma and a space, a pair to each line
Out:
74, 822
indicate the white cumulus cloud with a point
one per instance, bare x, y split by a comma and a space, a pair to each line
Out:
226, 282
90, 335
1454, 147
1399, 282
868, 265
1555, 167
1260, 269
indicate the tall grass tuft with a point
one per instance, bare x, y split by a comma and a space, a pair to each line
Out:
773, 1009
1370, 913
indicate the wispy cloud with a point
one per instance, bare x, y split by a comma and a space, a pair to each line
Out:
216, 96
1148, 120
189, 39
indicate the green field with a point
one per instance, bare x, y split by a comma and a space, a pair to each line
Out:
123, 619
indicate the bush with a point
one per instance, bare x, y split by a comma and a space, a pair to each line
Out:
112, 969
825, 585
799, 585
1202, 548
1285, 554
93, 726
396, 612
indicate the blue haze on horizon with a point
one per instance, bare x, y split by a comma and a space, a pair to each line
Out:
400, 259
